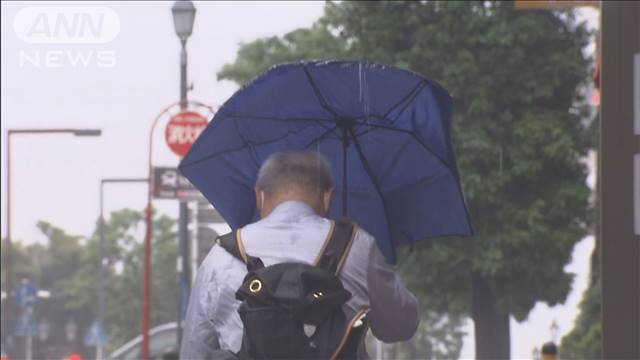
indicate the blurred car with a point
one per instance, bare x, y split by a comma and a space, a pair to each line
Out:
163, 344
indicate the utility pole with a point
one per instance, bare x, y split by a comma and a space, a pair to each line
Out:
619, 149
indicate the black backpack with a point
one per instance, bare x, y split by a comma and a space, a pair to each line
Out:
294, 310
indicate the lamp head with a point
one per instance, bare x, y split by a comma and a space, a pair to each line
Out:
184, 14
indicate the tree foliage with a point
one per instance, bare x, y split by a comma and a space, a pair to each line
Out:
67, 266
520, 130
584, 341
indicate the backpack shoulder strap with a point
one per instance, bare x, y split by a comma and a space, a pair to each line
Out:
336, 249
232, 243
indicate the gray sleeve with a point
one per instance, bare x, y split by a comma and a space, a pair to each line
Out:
395, 313
199, 336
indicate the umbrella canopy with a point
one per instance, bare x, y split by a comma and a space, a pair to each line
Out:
384, 130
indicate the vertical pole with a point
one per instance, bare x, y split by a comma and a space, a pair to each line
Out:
101, 284
144, 353
6, 312
146, 293
183, 74
183, 218
620, 251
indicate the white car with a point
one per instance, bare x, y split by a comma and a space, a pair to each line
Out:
163, 344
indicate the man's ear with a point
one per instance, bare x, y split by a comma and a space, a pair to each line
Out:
259, 198
327, 200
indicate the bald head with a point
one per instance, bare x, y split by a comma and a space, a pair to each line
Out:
294, 175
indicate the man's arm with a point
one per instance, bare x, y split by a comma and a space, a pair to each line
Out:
199, 336
395, 312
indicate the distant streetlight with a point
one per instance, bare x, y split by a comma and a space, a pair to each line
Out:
184, 14
6, 311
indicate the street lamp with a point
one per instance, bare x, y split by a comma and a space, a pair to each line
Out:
6, 313
183, 17
101, 284
184, 14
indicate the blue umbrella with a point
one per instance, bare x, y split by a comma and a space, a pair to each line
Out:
384, 130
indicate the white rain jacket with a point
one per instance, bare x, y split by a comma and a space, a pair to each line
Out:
293, 233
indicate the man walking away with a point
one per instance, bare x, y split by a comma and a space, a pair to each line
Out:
293, 194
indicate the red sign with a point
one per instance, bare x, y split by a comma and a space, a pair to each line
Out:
182, 131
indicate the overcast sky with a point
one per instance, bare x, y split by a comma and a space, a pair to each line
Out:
119, 87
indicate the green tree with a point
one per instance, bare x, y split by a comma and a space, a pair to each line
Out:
44, 265
583, 342
124, 264
67, 265
520, 130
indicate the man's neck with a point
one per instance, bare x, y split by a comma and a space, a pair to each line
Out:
270, 204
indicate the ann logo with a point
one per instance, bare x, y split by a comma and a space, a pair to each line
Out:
67, 25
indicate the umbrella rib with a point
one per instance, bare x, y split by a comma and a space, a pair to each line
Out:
322, 136
407, 100
292, 119
408, 103
366, 131
374, 182
248, 143
316, 91
411, 95
452, 169
413, 135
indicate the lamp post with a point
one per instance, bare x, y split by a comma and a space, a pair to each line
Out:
101, 284
184, 14
6, 311
183, 18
